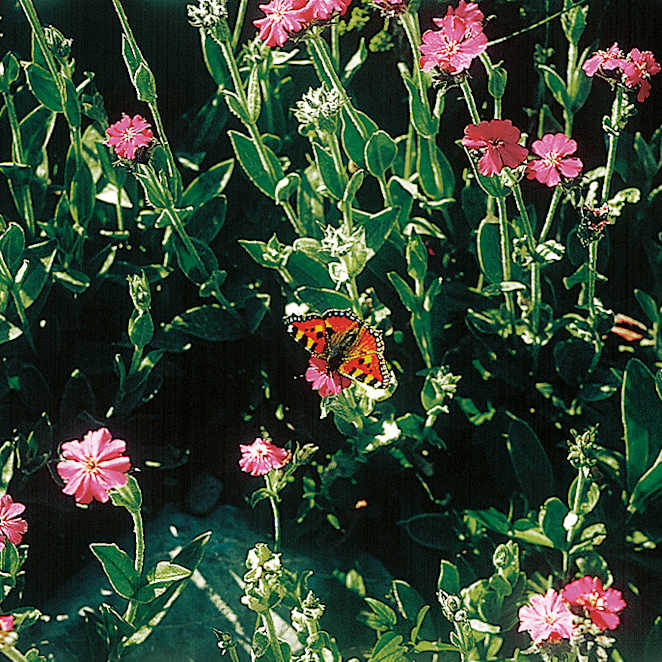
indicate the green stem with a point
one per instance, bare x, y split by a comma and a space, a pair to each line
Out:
410, 25
33, 18
239, 23
276, 514
319, 52
505, 255
549, 219
332, 142
11, 653
409, 151
471, 103
25, 324
118, 210
139, 561
590, 285
335, 46
19, 157
173, 173
489, 67
273, 639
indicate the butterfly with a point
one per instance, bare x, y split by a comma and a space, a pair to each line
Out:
347, 345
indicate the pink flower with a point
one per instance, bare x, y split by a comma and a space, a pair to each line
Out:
546, 618
498, 139
553, 150
323, 380
92, 467
11, 525
128, 134
637, 70
260, 457
6, 623
323, 10
468, 12
282, 19
601, 604
607, 60
453, 47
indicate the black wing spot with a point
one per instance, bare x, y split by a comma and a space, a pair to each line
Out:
320, 334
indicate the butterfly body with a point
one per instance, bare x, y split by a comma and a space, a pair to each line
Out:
347, 345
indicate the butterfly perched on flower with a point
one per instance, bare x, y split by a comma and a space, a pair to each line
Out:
347, 345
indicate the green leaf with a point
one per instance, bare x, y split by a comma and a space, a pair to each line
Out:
574, 359
355, 62
496, 85
380, 151
36, 129
163, 575
530, 462
378, 226
249, 158
647, 160
77, 397
141, 329
653, 643
7, 461
648, 305
12, 245
353, 186
253, 96
573, 22
406, 294
417, 258
132, 58
436, 174
207, 220
551, 516
71, 104
195, 270
388, 648
287, 186
384, 614
408, 599
321, 298
9, 72
145, 83
333, 180
235, 106
43, 87
208, 185
210, 322
75, 281
555, 85
642, 421
419, 111
118, 567
214, 60
353, 143
449, 578
488, 247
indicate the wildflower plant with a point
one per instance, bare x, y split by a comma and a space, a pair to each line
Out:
449, 272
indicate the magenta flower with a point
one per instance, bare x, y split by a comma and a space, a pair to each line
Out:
12, 526
608, 60
282, 19
453, 47
601, 604
637, 70
468, 12
323, 380
546, 618
260, 457
554, 150
94, 466
6, 623
323, 10
127, 135
498, 140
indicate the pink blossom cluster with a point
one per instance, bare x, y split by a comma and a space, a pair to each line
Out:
632, 70
283, 18
260, 457
554, 616
498, 143
458, 41
127, 135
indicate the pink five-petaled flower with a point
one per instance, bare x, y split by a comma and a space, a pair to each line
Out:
323, 380
453, 47
282, 19
468, 12
7, 634
323, 10
637, 69
12, 526
608, 60
127, 135
554, 150
6, 623
601, 604
498, 139
92, 467
546, 618
260, 457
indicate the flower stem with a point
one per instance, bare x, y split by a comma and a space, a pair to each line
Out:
273, 639
239, 23
471, 102
505, 256
139, 561
13, 654
549, 219
19, 157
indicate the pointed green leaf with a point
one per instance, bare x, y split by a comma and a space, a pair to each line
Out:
43, 87
250, 161
118, 567
380, 151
